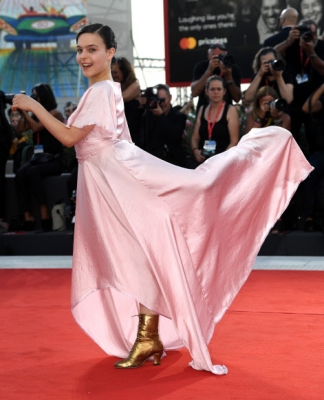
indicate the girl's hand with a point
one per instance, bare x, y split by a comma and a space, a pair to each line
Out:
264, 108
197, 154
23, 102
275, 114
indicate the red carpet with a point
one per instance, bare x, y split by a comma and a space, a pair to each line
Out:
271, 340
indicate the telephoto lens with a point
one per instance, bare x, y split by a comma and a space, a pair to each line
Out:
277, 65
279, 104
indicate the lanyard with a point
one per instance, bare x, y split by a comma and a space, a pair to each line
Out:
303, 64
210, 124
38, 138
269, 83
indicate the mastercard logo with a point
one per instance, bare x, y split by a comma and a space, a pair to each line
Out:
188, 43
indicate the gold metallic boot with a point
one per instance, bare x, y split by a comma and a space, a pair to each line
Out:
147, 343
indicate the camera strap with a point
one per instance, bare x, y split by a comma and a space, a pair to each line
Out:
210, 125
303, 64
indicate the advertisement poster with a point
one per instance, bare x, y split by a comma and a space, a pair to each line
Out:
241, 25
37, 44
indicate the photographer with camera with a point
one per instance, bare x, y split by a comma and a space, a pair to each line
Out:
270, 71
218, 63
161, 127
304, 55
5, 144
48, 159
217, 124
268, 109
312, 185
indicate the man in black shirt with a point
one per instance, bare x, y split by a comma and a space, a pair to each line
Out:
213, 66
161, 127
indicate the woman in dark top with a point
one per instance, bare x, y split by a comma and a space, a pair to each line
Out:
217, 124
123, 72
269, 70
29, 177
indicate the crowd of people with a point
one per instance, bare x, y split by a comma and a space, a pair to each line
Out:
286, 90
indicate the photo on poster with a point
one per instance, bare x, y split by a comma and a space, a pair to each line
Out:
242, 26
37, 44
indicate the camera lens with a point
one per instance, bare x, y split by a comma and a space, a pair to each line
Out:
277, 65
279, 104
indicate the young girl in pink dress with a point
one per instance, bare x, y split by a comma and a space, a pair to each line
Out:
170, 244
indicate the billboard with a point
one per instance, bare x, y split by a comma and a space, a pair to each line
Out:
242, 25
37, 44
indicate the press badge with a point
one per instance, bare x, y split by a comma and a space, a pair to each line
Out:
39, 148
210, 146
301, 78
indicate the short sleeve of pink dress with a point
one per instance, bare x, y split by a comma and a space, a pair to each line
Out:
181, 242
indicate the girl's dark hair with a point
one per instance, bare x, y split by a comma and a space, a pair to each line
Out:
106, 34
46, 96
256, 65
128, 72
215, 78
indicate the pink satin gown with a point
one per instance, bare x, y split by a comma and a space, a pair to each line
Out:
181, 242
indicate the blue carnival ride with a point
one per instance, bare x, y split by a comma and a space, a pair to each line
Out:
41, 27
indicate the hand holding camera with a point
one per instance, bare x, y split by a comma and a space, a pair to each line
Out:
150, 99
213, 64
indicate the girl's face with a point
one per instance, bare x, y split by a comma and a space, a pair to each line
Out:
94, 58
265, 101
116, 73
215, 91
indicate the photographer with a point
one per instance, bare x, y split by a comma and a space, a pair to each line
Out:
311, 186
304, 55
48, 159
269, 71
215, 66
267, 110
161, 127
5, 143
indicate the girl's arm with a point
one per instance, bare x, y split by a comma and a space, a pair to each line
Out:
27, 122
67, 136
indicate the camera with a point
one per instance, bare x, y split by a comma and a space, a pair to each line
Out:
278, 104
277, 65
6, 98
153, 100
226, 59
305, 32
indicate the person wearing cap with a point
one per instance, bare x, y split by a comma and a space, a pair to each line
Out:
288, 18
213, 66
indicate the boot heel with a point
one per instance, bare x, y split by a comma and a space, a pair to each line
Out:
157, 358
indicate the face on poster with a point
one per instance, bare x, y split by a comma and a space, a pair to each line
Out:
37, 44
241, 25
